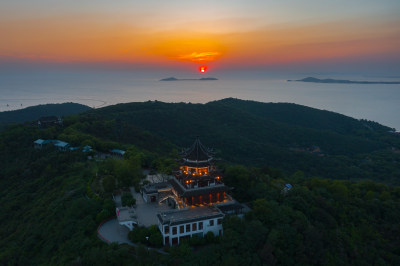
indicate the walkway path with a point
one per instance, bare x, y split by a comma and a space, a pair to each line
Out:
112, 231
147, 212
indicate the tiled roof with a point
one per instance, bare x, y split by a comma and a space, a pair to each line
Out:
197, 153
205, 190
121, 152
183, 192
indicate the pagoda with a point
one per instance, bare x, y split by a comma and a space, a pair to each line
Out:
198, 182
197, 196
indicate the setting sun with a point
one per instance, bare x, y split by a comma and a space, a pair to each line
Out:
203, 69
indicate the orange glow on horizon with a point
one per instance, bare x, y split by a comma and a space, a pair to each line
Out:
191, 49
96, 40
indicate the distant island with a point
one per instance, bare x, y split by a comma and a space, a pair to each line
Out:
175, 79
343, 81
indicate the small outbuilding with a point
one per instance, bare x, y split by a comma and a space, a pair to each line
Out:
47, 121
87, 148
61, 145
40, 143
117, 153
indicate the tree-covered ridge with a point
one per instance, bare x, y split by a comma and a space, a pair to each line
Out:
33, 113
51, 202
304, 116
273, 134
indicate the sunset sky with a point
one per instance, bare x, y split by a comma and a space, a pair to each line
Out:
221, 34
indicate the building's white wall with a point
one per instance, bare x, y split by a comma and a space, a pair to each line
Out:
207, 227
213, 228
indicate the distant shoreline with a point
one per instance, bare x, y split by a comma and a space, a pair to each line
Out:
343, 81
175, 79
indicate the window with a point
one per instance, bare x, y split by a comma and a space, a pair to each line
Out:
211, 222
187, 228
200, 225
181, 229
174, 230
219, 221
166, 229
194, 226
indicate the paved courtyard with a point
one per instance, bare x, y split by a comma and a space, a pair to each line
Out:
147, 212
112, 231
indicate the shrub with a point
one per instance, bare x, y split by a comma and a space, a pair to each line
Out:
210, 237
155, 239
138, 235
127, 199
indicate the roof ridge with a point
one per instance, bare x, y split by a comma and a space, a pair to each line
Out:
197, 152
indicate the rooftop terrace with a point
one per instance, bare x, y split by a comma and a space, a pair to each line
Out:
188, 215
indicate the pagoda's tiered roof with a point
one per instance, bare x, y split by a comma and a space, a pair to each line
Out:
197, 154
186, 175
189, 192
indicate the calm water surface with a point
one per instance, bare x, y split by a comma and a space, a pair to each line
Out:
380, 103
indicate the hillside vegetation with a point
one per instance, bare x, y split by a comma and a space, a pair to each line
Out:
278, 135
33, 113
52, 202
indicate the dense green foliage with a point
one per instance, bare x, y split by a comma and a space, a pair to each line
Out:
33, 113
149, 236
52, 202
49, 213
277, 135
127, 199
115, 173
318, 221
44, 211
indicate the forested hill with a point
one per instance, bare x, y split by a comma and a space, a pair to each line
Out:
35, 112
52, 202
281, 135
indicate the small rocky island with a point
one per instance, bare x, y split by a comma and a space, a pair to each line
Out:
175, 79
343, 81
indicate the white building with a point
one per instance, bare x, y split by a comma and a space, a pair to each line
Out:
176, 225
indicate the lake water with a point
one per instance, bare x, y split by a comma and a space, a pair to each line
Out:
380, 103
